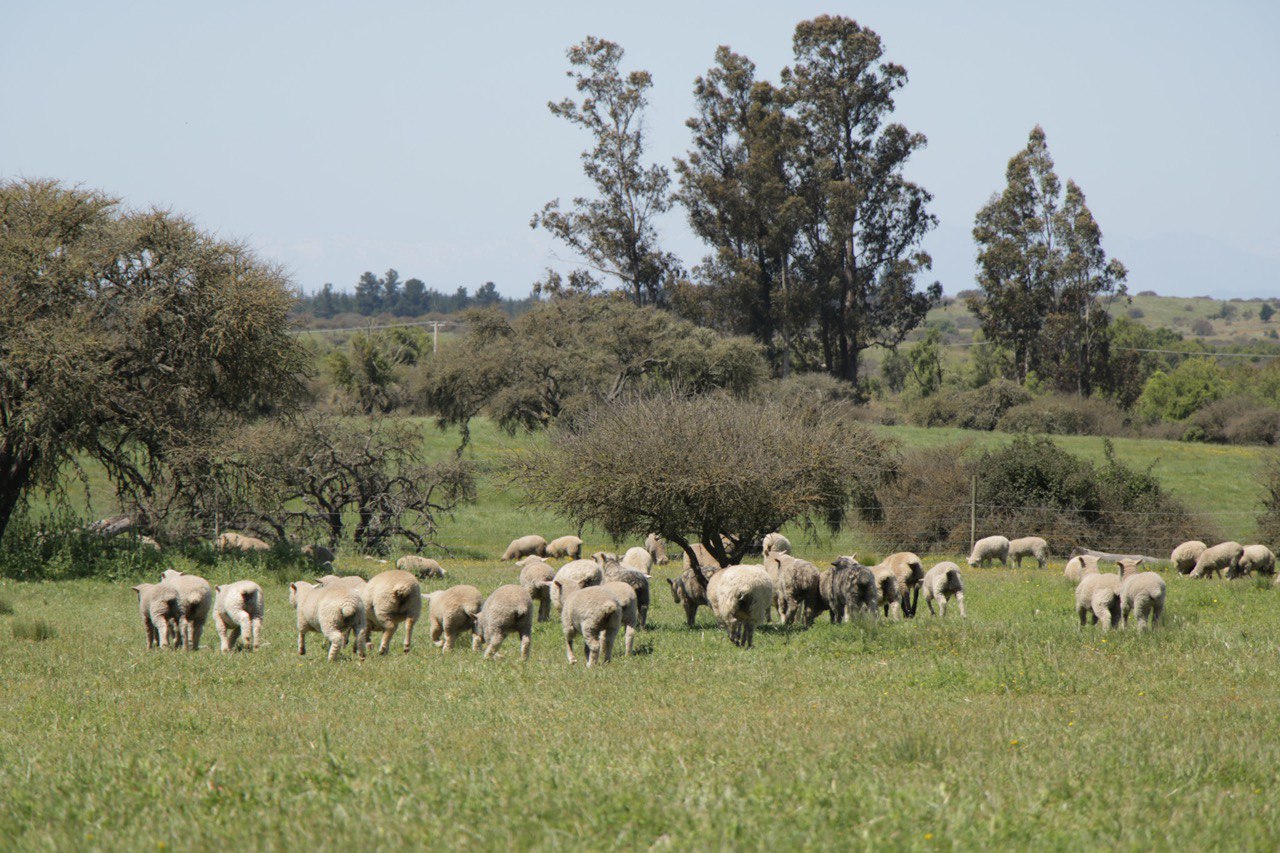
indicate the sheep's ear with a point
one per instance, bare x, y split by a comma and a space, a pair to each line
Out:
218, 588
671, 582
138, 589
293, 587
1139, 561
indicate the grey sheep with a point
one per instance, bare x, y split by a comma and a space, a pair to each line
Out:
390, 598
421, 567
849, 587
657, 548
740, 597
565, 546
594, 613
536, 576
1257, 558
1029, 546
452, 613
1185, 555
1141, 593
575, 575
689, 593
1078, 567
239, 542
616, 572
989, 549
630, 613
1223, 557
333, 612
941, 584
797, 587
158, 604
524, 546
237, 612
1099, 594
195, 600
317, 555
507, 610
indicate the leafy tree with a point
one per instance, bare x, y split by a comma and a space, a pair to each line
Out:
1265, 313
925, 359
325, 305
1183, 391
714, 470
126, 337
368, 294
487, 294
613, 233
391, 291
370, 370
1045, 282
414, 300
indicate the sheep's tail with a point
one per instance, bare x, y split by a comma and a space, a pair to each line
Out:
348, 609
402, 593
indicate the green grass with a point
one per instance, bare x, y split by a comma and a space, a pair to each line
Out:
33, 630
1011, 728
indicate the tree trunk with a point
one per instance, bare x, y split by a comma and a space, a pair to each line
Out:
14, 476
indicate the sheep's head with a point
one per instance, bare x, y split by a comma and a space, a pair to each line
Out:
169, 574
847, 562
295, 590
1129, 567
677, 590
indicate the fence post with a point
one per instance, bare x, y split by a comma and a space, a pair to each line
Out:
973, 513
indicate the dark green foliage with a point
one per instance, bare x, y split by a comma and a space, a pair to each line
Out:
34, 630
1265, 312
1269, 520
979, 408
1238, 419
1066, 415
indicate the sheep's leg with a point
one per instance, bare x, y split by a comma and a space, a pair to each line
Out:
568, 645
387, 633
525, 640
959, 597
629, 639
449, 638
408, 633
436, 631
302, 642
606, 644
544, 609
495, 643
690, 613
644, 617
196, 629
915, 600
244, 631
223, 630
231, 636
152, 635
1084, 615
337, 640
256, 624
942, 606
591, 639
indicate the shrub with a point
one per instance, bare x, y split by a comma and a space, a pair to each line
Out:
1202, 327
806, 389
1147, 293
1183, 391
1237, 419
1066, 415
1135, 313
980, 408
1269, 520
922, 501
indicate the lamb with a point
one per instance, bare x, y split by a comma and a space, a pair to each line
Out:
1078, 567
391, 597
848, 587
1257, 558
1224, 556
333, 612
421, 567
195, 600
524, 546
638, 559
453, 612
705, 560
1029, 546
657, 548
575, 575
986, 550
909, 571
740, 597
149, 543
689, 593
1099, 594
593, 612
239, 542
615, 572
507, 610
317, 555
775, 542
1141, 593
890, 590
630, 612
237, 612
158, 603
353, 582
565, 546
942, 584
797, 587
1184, 557
536, 576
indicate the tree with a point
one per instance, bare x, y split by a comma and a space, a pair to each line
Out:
926, 362
325, 305
127, 337
712, 469
1265, 313
368, 294
487, 294
1044, 280
414, 300
614, 233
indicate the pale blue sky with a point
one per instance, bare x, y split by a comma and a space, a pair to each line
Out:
340, 137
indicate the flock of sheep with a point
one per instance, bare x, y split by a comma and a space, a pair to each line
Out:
600, 596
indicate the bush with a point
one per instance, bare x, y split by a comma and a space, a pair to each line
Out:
1135, 313
6, 609
1202, 327
1183, 391
1269, 520
922, 501
1234, 420
1066, 415
806, 389
980, 408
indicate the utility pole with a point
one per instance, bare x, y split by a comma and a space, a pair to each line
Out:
435, 335
973, 514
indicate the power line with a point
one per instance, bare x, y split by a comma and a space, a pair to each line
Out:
434, 323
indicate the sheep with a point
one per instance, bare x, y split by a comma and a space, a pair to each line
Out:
909, 571
536, 576
740, 597
630, 612
1099, 594
848, 587
593, 612
1257, 558
239, 542
689, 593
195, 600
775, 542
1078, 567
159, 606
941, 584
1029, 546
705, 559
986, 550
1141, 593
421, 567
237, 612
1223, 556
638, 559
890, 590
524, 546
391, 597
657, 548
507, 610
354, 582
797, 587
452, 613
566, 546
149, 543
318, 555
333, 612
616, 572
1185, 555
575, 575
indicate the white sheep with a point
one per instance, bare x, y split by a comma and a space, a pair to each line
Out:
536, 576
630, 612
1099, 594
574, 575
195, 600
847, 588
988, 549
941, 584
452, 613
524, 546
237, 612
616, 572
657, 548
421, 567
909, 571
890, 590
1141, 593
1185, 555
239, 542
1029, 546
796, 587
638, 559
740, 597
333, 612
1224, 556
352, 582
565, 546
390, 598
507, 610
1078, 567
775, 542
159, 605
594, 613
1259, 559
